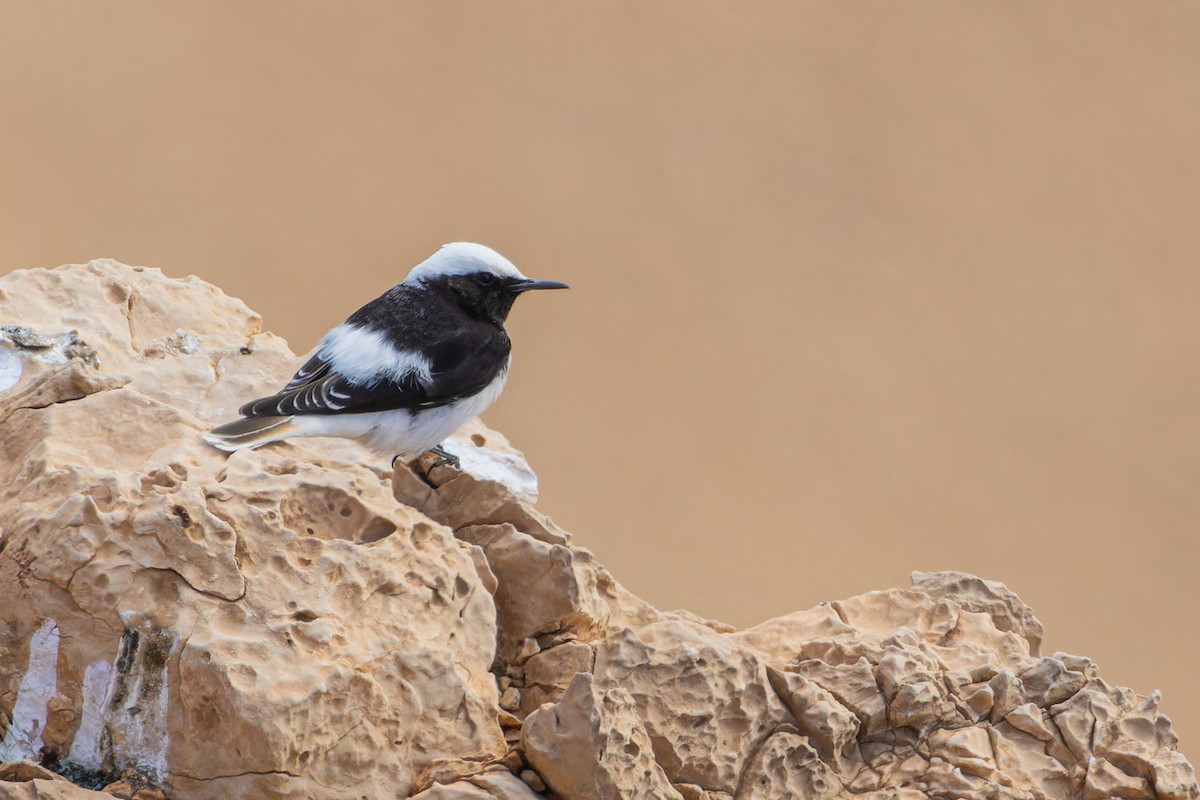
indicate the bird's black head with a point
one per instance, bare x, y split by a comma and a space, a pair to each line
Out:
490, 297
481, 281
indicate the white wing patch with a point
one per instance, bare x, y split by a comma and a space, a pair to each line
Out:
367, 357
463, 258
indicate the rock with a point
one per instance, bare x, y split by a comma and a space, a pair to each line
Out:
994, 599
855, 687
969, 749
830, 727
533, 780
786, 765
18, 771
41, 789
301, 621
1104, 779
269, 622
706, 701
492, 786
541, 588
548, 673
1028, 761
558, 665
505, 786
593, 746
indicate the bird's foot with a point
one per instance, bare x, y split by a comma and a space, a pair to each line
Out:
431, 459
444, 458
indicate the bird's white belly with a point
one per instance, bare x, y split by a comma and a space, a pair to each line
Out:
402, 432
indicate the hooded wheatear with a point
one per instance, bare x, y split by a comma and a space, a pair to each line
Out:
407, 369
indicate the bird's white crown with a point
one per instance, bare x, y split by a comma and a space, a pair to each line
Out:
462, 258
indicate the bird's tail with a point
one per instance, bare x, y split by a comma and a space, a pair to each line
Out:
250, 432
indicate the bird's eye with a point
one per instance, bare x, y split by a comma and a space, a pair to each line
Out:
485, 279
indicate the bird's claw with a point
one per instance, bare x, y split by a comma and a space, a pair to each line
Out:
444, 458
424, 465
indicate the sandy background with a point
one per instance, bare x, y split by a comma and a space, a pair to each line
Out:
858, 288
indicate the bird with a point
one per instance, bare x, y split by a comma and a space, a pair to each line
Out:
407, 369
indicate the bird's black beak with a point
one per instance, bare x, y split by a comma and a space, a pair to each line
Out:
516, 287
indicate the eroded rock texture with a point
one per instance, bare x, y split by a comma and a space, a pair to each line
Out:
298, 622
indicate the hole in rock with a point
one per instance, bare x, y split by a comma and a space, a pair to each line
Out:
118, 293
305, 615
185, 519
378, 528
478, 440
325, 512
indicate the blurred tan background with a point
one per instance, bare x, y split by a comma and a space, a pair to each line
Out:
857, 288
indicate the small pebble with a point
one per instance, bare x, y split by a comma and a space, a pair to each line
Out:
510, 700
533, 780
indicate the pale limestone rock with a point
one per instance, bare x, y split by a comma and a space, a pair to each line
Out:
548, 673
486, 454
1028, 719
1173, 776
504, 786
706, 700
830, 727
969, 749
593, 746
489, 786
533, 780
558, 665
297, 622
855, 687
786, 766
1105, 780
1029, 762
783, 639
992, 598
279, 622
42, 789
25, 770
459, 790
541, 588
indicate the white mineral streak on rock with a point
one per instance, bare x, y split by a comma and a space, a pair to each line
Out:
24, 736
508, 469
138, 697
86, 748
10, 368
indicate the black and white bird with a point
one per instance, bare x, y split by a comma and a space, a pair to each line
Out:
407, 369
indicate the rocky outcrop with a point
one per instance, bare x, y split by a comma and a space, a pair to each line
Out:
301, 622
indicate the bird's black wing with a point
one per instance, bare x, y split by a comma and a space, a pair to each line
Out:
314, 369
460, 366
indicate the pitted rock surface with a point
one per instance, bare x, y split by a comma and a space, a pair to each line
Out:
302, 622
